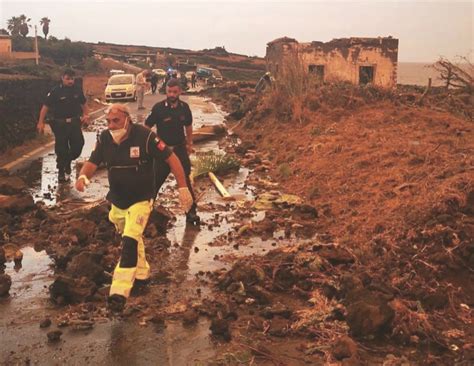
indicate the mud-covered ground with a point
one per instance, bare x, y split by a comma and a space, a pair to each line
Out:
391, 178
266, 279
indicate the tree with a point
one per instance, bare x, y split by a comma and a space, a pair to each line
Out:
45, 23
458, 75
24, 26
13, 25
4, 32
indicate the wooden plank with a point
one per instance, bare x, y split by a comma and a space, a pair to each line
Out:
219, 186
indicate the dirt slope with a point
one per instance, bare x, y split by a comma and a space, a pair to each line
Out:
393, 185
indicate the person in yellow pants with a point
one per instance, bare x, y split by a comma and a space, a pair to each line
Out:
130, 223
128, 150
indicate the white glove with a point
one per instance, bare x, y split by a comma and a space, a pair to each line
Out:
185, 199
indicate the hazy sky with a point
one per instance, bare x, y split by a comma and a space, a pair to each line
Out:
426, 29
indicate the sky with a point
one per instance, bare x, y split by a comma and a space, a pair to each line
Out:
425, 29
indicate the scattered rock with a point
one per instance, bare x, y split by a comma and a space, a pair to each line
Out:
277, 310
96, 214
260, 295
81, 324
86, 264
158, 220
436, 300
306, 211
54, 335
283, 278
369, 316
83, 229
344, 347
5, 218
16, 204
336, 255
5, 284
45, 323
3, 257
190, 317
392, 360
279, 327
18, 257
10, 185
242, 272
67, 290
220, 328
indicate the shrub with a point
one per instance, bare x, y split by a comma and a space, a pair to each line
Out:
91, 65
285, 170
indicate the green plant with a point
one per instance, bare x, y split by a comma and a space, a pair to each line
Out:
91, 65
217, 163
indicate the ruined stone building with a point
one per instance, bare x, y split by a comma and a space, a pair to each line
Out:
6, 50
357, 60
5, 44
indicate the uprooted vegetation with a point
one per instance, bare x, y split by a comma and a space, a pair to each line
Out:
391, 175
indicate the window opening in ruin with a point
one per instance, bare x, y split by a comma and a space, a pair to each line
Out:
318, 71
366, 75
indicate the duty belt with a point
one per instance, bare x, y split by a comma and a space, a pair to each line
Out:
172, 147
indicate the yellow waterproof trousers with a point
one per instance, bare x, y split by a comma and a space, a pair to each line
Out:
131, 223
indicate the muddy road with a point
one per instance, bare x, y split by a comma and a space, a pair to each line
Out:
174, 285
261, 282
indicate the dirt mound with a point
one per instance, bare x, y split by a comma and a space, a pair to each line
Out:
391, 180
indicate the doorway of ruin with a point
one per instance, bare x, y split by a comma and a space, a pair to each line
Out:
366, 74
317, 71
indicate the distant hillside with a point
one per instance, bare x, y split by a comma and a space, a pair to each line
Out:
233, 66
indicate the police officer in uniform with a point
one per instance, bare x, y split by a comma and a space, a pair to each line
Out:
68, 105
128, 151
173, 120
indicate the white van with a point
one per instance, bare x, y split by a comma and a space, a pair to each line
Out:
121, 87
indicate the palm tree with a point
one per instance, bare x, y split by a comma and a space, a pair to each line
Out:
13, 25
24, 26
45, 23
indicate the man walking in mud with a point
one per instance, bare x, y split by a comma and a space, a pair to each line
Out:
68, 106
153, 82
128, 151
174, 125
141, 86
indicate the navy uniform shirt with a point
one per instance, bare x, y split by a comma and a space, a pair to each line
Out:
170, 122
65, 102
130, 164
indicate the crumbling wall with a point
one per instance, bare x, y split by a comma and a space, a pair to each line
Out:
21, 98
341, 58
343, 63
278, 52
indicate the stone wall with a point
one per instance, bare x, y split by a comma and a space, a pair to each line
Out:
21, 98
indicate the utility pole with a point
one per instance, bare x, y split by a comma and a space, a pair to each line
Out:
36, 46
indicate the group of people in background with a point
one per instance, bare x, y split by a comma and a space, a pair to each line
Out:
137, 159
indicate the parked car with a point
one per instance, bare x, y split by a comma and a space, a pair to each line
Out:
189, 74
211, 75
203, 72
121, 87
160, 72
116, 72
